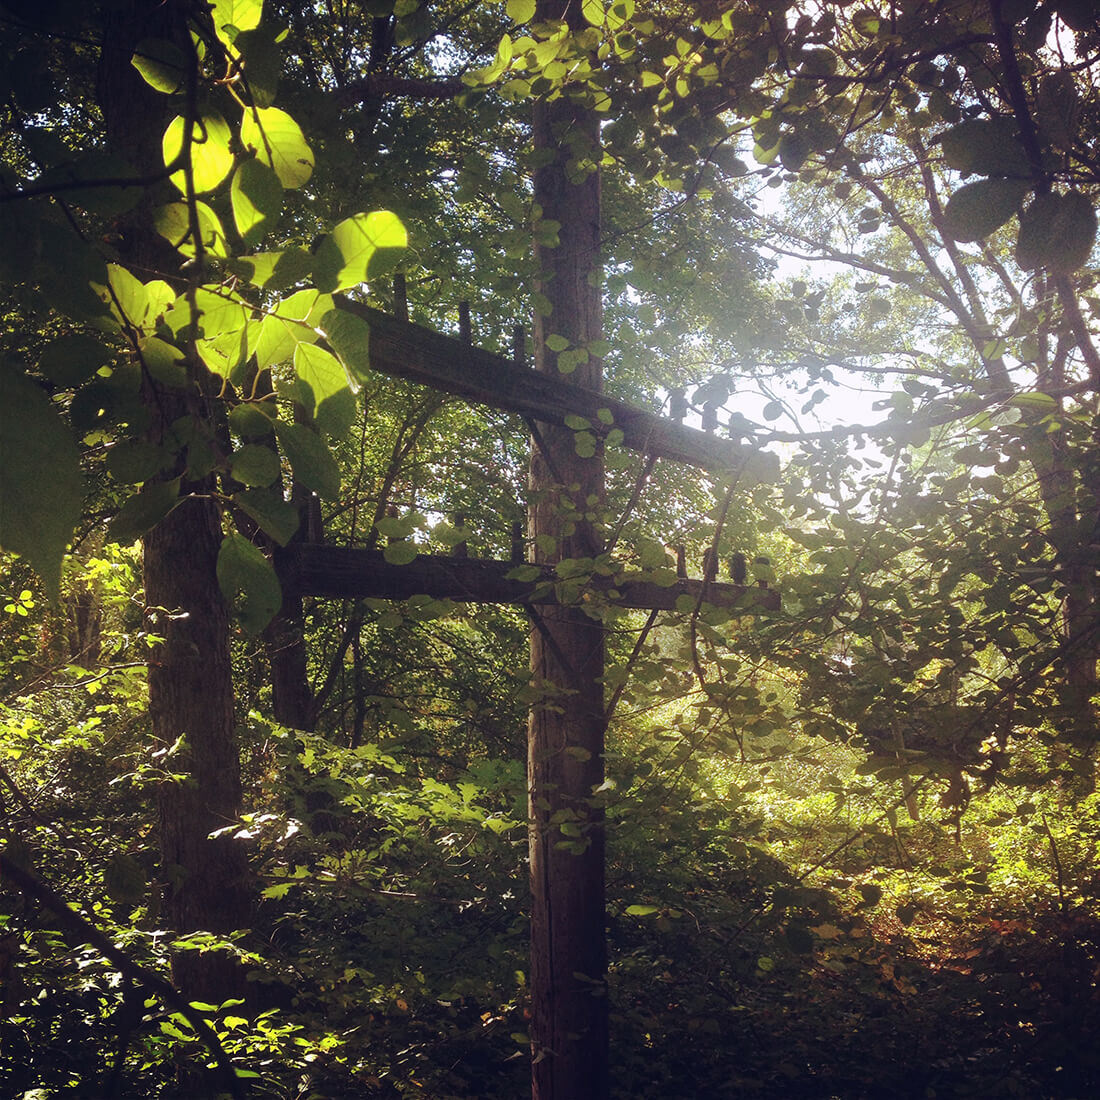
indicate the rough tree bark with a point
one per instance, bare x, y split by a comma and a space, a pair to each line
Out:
566, 729
190, 683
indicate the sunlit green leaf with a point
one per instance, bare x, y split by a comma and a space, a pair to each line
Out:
161, 63
278, 141
211, 155
359, 248
257, 198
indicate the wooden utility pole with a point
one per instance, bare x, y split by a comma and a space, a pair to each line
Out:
565, 753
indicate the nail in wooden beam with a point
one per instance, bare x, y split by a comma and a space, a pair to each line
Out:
677, 405
400, 298
464, 329
681, 563
517, 555
461, 549
710, 418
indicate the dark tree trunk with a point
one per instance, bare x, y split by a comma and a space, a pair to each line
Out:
190, 682
566, 730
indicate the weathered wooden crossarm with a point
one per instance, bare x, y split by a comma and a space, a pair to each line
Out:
354, 574
405, 350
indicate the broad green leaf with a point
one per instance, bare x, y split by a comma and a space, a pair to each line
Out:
248, 582
349, 337
278, 142
41, 490
319, 373
556, 342
988, 146
642, 910
173, 223
262, 58
125, 880
70, 360
361, 247
274, 270
291, 323
593, 12
257, 198
1056, 231
232, 16
218, 312
162, 64
254, 465
211, 155
143, 511
275, 516
336, 415
164, 362
980, 208
225, 354
794, 149
400, 553
521, 11
253, 418
136, 460
309, 458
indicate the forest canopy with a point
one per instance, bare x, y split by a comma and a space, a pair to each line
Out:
549, 546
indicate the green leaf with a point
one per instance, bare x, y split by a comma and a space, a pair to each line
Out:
362, 247
162, 64
980, 208
248, 582
136, 460
642, 910
263, 63
593, 12
291, 323
41, 490
319, 373
257, 198
521, 11
211, 155
275, 271
556, 343
164, 362
70, 360
400, 553
125, 880
1056, 231
233, 16
173, 222
278, 141
253, 418
143, 511
349, 336
254, 464
309, 458
275, 516
988, 146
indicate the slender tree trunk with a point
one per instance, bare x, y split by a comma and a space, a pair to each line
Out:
190, 682
566, 729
